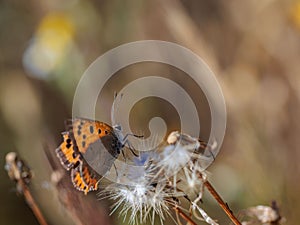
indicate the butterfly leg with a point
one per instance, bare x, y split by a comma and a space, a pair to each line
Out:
126, 141
134, 135
131, 148
123, 154
116, 170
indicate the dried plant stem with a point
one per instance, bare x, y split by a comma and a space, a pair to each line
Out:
223, 205
184, 216
19, 172
31, 203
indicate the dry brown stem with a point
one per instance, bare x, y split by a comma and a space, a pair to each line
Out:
218, 198
184, 216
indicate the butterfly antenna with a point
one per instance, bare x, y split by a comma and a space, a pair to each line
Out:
114, 107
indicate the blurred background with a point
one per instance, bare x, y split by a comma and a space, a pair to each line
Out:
253, 47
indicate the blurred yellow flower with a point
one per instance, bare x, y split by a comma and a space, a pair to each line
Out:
55, 31
49, 45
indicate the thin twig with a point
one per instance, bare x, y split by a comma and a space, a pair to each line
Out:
19, 172
223, 205
32, 204
184, 216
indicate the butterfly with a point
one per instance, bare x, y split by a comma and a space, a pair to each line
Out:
89, 143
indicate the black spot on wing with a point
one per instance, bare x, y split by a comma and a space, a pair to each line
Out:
91, 129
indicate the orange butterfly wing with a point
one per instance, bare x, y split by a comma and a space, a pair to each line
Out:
67, 152
83, 181
87, 132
